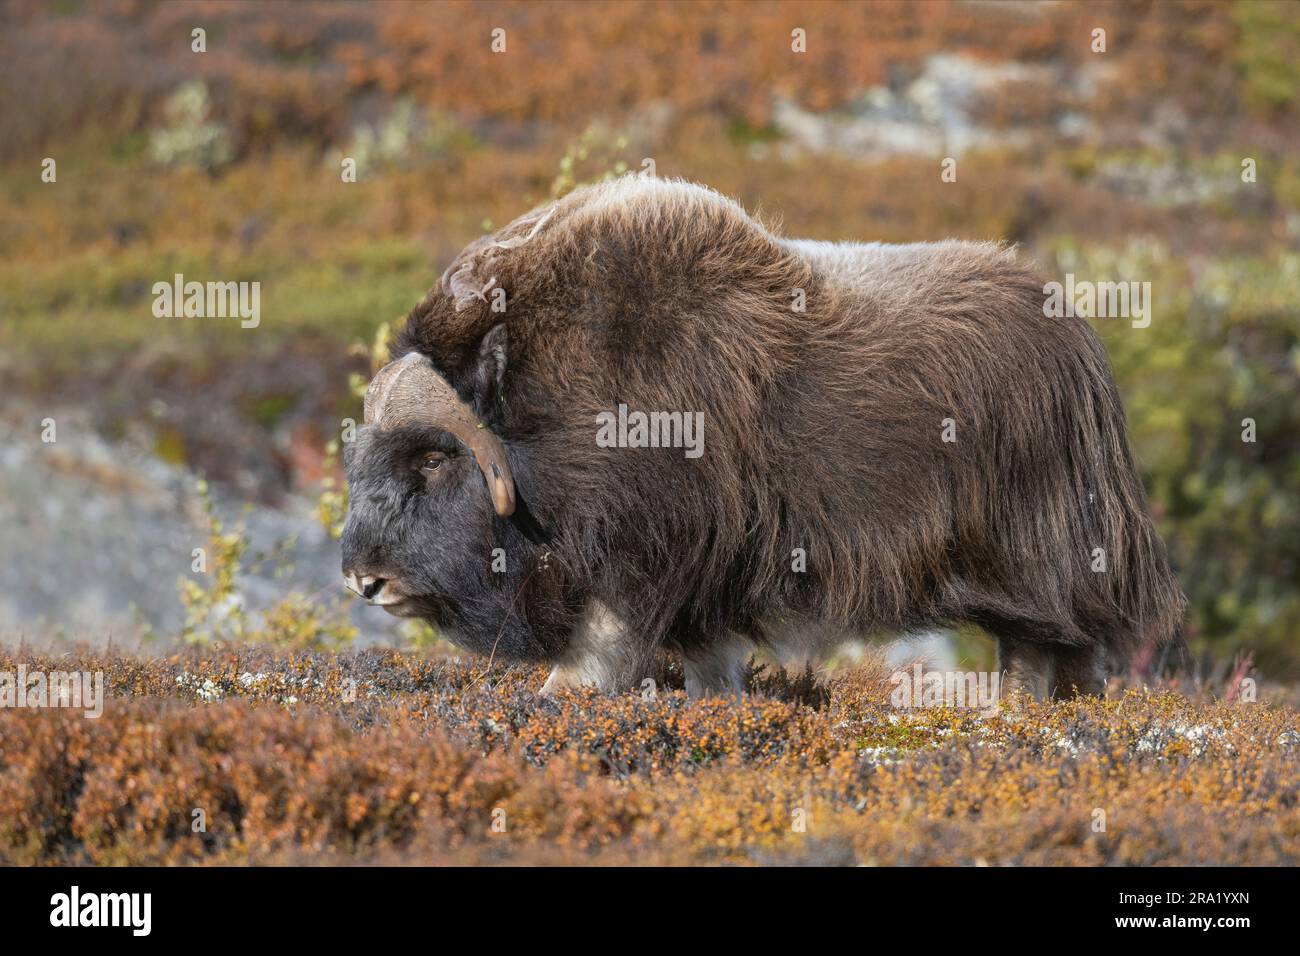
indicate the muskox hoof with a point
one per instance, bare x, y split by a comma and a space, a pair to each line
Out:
564, 678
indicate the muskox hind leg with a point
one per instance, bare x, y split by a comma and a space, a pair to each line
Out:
717, 667
1026, 668
1050, 670
1078, 670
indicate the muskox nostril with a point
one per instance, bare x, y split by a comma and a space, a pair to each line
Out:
367, 585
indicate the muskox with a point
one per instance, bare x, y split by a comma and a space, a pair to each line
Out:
888, 438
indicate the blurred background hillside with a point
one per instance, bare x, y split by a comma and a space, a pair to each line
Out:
225, 165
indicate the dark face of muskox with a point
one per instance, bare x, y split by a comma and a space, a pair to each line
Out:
435, 527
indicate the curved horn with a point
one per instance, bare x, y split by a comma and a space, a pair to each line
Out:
410, 391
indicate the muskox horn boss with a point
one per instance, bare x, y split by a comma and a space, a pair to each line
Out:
410, 392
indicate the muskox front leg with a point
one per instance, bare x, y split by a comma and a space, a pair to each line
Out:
717, 667
600, 654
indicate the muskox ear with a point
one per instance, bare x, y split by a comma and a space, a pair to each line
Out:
490, 369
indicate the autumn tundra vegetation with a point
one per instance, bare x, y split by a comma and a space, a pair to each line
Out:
382, 756
341, 156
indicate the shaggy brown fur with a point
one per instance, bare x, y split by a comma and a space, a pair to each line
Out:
822, 432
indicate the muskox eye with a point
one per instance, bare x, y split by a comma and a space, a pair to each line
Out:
432, 462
